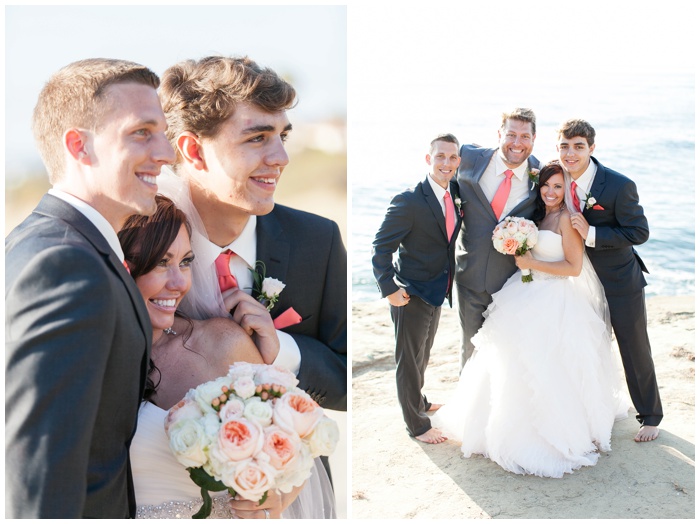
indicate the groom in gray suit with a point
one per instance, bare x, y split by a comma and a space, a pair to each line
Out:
611, 223
77, 333
493, 184
422, 225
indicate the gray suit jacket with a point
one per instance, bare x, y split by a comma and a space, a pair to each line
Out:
415, 227
479, 266
306, 252
77, 342
620, 225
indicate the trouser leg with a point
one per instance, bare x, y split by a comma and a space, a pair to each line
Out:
472, 305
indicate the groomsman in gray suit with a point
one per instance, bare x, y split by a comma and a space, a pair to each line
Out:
493, 184
611, 223
422, 225
77, 333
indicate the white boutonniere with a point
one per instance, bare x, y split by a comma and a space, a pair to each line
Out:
266, 290
534, 175
458, 203
591, 202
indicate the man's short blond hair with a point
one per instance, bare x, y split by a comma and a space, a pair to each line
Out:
520, 113
200, 95
74, 98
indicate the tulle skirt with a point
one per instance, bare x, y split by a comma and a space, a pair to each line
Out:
543, 388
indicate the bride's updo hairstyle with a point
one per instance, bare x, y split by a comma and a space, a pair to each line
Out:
146, 239
199, 95
547, 172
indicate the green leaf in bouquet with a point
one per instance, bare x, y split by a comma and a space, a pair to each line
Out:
208, 483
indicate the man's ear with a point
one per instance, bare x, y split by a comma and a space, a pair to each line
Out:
191, 150
75, 142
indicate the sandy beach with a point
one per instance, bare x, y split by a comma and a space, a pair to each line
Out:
395, 476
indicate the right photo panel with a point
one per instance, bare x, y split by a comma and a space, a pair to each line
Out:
522, 253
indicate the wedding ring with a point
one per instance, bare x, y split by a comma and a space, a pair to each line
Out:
267, 514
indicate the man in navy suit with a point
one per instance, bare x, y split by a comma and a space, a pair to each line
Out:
611, 223
227, 120
481, 270
416, 225
77, 333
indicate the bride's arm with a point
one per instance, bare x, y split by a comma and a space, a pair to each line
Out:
573, 253
225, 342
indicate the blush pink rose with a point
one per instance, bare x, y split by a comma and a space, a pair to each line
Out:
240, 439
510, 246
297, 412
250, 478
280, 446
511, 227
185, 409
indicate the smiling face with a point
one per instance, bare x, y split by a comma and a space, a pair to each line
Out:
443, 161
126, 151
245, 160
552, 191
516, 141
575, 154
165, 285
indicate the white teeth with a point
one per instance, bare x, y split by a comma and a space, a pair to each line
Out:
266, 180
148, 179
164, 303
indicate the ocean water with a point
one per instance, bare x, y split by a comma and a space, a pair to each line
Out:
645, 129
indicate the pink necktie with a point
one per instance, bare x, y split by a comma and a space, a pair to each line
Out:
501, 197
574, 197
223, 271
449, 215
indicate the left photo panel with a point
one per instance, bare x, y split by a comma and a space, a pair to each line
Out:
175, 262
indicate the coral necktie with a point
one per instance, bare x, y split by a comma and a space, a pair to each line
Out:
574, 196
501, 196
449, 215
223, 271
126, 266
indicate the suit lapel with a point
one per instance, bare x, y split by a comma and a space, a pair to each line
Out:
272, 248
598, 184
480, 166
434, 205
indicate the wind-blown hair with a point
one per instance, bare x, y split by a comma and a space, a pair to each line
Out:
548, 171
74, 98
199, 96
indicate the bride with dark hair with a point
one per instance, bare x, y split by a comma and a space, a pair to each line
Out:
543, 388
187, 353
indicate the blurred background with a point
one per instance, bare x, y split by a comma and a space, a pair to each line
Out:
305, 44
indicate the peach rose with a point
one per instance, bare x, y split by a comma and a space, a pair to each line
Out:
280, 446
510, 246
240, 439
295, 411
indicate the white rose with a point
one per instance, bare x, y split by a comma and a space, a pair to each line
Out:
272, 287
532, 239
187, 442
244, 387
520, 237
275, 375
232, 409
498, 245
250, 478
259, 411
323, 438
208, 391
591, 201
240, 369
185, 409
210, 425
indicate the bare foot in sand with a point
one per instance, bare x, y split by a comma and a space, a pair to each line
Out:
434, 407
432, 436
647, 434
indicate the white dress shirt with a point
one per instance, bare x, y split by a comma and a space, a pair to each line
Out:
95, 218
495, 174
439, 192
245, 249
583, 187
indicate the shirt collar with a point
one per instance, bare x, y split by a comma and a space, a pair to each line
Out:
438, 189
245, 246
584, 181
501, 166
95, 218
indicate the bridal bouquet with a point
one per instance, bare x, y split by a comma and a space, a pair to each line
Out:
249, 432
515, 236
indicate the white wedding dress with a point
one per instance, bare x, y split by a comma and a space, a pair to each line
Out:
164, 489
543, 388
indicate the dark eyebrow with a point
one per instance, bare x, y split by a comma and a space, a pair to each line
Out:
264, 129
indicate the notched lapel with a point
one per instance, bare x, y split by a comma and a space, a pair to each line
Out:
434, 205
272, 248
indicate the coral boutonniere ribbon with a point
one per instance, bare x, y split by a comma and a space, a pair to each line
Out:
458, 203
286, 319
